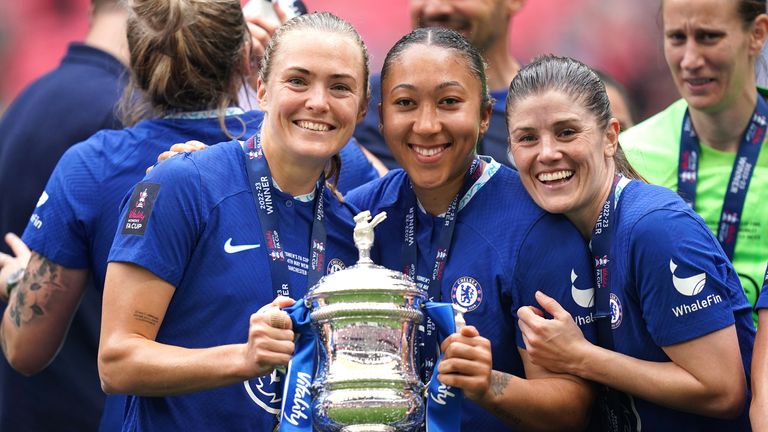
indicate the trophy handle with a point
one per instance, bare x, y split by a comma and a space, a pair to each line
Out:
459, 322
458, 316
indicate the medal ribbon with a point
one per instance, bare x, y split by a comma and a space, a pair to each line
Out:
612, 403
263, 195
600, 245
410, 259
741, 174
260, 180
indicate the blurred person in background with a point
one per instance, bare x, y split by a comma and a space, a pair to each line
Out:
707, 145
758, 411
63, 107
622, 106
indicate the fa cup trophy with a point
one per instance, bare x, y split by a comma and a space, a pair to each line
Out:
365, 318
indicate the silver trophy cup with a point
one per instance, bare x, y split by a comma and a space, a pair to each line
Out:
366, 317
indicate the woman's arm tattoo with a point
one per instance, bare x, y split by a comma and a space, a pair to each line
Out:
37, 292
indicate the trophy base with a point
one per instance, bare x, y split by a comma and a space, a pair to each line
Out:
368, 428
374, 410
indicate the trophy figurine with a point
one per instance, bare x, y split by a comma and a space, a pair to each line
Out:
365, 318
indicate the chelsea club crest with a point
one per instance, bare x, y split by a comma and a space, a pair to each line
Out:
617, 314
335, 265
467, 293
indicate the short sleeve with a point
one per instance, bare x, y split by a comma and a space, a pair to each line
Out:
554, 259
58, 227
762, 300
685, 284
161, 219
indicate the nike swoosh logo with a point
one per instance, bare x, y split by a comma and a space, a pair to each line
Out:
230, 249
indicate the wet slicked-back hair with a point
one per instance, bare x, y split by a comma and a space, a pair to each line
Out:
575, 79
185, 55
443, 38
319, 21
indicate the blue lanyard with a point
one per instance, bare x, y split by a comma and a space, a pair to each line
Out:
741, 174
602, 239
410, 255
261, 186
613, 405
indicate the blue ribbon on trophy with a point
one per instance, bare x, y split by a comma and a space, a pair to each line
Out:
443, 402
296, 410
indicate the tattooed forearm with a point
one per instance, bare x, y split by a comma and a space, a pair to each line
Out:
145, 317
506, 417
37, 291
499, 381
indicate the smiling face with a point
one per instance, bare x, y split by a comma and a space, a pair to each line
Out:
431, 115
314, 95
710, 52
565, 158
482, 22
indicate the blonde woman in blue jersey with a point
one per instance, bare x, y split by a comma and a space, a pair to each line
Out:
209, 239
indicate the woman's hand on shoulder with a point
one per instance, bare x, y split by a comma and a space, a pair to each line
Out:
185, 147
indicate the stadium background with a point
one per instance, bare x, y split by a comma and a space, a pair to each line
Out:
621, 37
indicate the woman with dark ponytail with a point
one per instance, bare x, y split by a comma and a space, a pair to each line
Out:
463, 227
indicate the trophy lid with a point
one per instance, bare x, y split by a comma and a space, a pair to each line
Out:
365, 276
